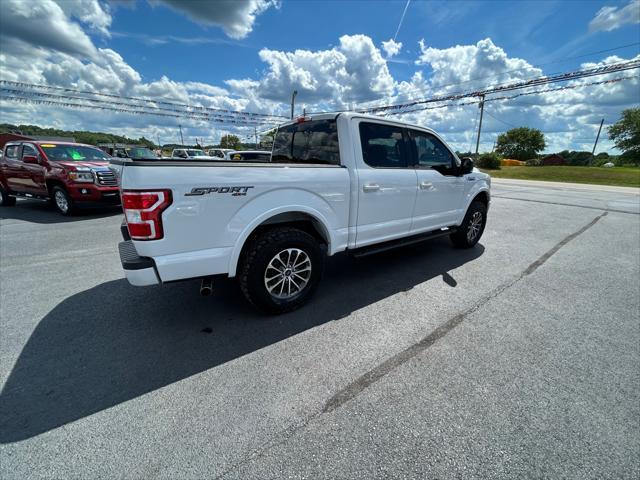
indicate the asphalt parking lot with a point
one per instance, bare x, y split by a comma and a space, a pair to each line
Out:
519, 358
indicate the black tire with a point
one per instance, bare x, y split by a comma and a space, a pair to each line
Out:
5, 199
469, 233
261, 252
58, 196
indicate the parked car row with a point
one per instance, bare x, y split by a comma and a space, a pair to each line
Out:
72, 175
221, 154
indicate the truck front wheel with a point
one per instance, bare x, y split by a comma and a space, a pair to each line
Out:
472, 226
281, 269
62, 201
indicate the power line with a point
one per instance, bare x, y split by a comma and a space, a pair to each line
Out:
501, 121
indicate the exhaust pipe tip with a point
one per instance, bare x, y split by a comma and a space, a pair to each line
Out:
206, 288
205, 291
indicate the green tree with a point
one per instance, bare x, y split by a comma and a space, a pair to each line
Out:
230, 141
489, 160
625, 134
520, 143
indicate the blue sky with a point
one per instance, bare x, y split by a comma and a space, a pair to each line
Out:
249, 55
538, 31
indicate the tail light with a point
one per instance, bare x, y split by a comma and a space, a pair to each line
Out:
143, 212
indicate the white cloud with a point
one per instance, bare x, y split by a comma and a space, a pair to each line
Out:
42, 24
566, 117
610, 18
90, 12
465, 66
391, 47
236, 17
353, 71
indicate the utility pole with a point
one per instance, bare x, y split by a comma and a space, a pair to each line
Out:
596, 144
158, 135
181, 139
480, 124
293, 101
255, 134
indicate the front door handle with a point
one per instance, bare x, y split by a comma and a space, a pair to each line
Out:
371, 187
426, 185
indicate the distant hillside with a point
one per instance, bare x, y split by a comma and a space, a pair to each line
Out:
91, 138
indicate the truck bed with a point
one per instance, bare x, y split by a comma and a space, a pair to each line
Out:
216, 205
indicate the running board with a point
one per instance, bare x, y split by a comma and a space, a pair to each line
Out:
401, 242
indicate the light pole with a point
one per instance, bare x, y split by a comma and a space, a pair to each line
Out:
293, 101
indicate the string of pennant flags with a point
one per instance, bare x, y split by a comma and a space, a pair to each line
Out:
38, 101
150, 108
511, 97
35, 87
602, 70
23, 92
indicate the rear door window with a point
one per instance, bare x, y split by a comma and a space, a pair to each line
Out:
312, 142
383, 146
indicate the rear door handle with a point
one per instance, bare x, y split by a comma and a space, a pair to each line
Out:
371, 187
426, 185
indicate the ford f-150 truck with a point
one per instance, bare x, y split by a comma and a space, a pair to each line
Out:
67, 174
345, 182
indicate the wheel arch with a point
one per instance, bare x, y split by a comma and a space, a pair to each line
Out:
482, 196
303, 218
54, 182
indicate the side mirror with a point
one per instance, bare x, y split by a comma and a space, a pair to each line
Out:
466, 166
30, 159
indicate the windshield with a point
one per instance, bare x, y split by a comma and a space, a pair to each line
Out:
307, 142
196, 153
140, 152
76, 153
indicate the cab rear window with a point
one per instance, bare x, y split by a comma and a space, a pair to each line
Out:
313, 142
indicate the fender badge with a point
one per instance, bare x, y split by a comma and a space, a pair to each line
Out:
234, 191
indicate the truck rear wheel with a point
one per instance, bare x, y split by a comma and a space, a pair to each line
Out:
281, 269
5, 199
62, 201
472, 226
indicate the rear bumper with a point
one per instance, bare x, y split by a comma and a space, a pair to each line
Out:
139, 271
142, 271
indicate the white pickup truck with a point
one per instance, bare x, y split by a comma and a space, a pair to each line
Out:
345, 182
191, 154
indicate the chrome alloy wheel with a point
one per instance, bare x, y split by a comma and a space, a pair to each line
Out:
61, 201
287, 273
474, 226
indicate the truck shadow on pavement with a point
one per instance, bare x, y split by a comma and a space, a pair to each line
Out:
115, 342
36, 211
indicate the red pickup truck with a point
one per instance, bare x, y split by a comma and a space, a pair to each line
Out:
68, 174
